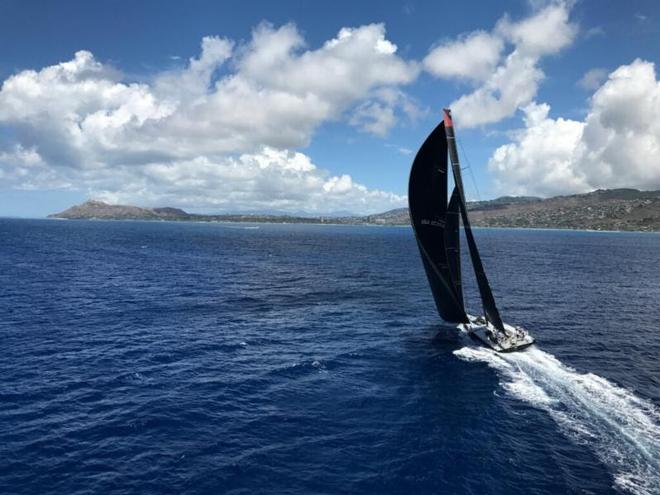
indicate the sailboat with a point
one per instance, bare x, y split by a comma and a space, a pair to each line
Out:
436, 218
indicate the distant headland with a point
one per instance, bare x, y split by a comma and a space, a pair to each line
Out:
604, 209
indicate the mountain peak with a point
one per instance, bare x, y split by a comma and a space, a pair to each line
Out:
95, 202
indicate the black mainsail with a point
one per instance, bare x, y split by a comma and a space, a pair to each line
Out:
437, 234
437, 227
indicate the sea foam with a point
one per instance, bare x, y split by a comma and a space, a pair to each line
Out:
622, 429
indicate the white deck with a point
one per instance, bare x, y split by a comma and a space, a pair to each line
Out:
516, 338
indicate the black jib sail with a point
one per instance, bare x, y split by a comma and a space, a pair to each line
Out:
436, 231
487, 299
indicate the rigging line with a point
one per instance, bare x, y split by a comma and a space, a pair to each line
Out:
474, 183
469, 167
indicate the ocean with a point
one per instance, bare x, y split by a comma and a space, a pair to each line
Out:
236, 359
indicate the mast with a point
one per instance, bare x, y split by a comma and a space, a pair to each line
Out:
427, 199
453, 243
487, 299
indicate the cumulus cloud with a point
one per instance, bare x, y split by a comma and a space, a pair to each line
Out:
592, 79
504, 81
617, 145
374, 117
200, 135
270, 180
472, 57
511, 86
541, 160
378, 114
546, 32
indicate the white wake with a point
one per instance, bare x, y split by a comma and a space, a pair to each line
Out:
622, 429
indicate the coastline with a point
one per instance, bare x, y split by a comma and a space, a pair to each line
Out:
336, 224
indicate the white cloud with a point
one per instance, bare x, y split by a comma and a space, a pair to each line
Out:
471, 57
621, 142
505, 81
374, 117
541, 160
200, 134
592, 79
400, 149
194, 81
511, 86
25, 169
267, 180
617, 145
378, 115
546, 32
593, 32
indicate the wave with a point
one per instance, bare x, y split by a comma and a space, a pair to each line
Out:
622, 429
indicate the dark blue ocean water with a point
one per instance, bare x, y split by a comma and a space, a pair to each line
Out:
285, 359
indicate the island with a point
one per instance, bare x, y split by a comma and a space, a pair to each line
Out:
603, 209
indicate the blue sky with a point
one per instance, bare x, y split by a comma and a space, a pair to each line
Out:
348, 147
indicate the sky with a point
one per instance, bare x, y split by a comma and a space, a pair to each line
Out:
319, 107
